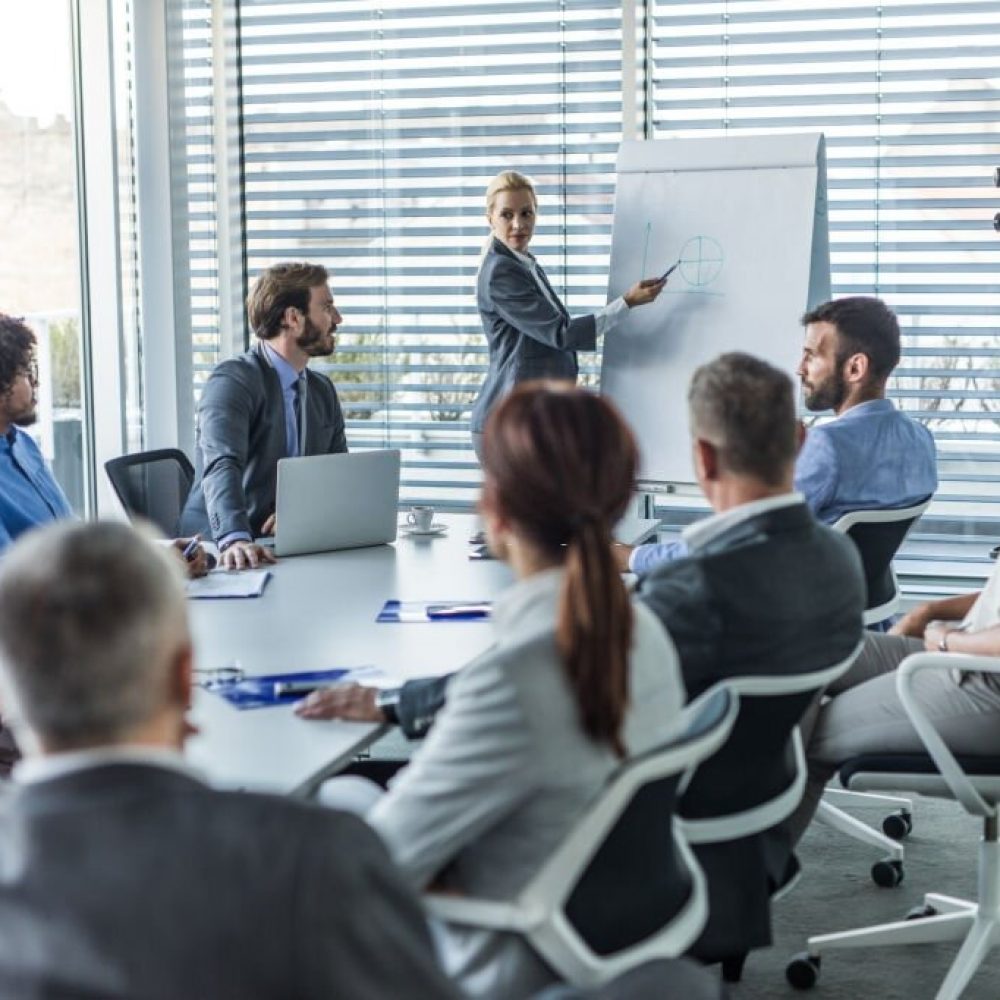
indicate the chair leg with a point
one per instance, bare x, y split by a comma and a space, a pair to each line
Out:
983, 936
927, 930
842, 797
852, 827
732, 968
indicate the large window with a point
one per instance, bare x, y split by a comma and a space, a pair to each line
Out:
368, 135
365, 134
908, 96
40, 268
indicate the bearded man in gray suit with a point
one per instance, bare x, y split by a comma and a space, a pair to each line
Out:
121, 874
262, 406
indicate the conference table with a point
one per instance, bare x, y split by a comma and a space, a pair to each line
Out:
319, 612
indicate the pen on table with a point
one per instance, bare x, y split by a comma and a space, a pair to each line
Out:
284, 689
191, 551
458, 611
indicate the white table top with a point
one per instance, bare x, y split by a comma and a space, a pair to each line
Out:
318, 612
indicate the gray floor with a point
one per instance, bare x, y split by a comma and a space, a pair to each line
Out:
836, 893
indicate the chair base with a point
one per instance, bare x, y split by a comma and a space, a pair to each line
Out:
946, 919
847, 824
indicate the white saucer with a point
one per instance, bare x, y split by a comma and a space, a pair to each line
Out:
435, 529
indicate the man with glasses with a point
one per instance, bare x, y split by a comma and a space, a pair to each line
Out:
29, 494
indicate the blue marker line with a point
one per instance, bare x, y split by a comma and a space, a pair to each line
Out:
645, 250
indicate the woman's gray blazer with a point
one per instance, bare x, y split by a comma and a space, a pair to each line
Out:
528, 337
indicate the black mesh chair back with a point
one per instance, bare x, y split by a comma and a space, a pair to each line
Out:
755, 765
638, 879
153, 485
636, 882
877, 544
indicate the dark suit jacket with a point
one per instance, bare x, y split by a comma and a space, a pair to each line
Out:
528, 337
134, 881
241, 436
777, 594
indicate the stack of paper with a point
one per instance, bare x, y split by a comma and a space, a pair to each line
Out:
225, 583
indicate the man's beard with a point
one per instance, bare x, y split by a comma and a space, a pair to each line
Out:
25, 419
312, 340
828, 395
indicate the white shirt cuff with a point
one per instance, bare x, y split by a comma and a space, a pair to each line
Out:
610, 316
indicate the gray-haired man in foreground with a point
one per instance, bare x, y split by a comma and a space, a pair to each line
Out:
121, 874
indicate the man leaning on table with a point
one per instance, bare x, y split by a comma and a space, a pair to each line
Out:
121, 873
873, 456
262, 406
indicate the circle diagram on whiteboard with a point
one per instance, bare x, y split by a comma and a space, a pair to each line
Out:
701, 261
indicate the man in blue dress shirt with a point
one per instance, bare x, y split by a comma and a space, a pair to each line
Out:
872, 456
29, 494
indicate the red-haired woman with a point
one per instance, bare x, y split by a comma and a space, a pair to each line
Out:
579, 677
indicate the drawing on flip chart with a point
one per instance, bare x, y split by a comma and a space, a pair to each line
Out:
701, 261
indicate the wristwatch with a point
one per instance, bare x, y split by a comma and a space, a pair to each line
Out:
387, 700
943, 641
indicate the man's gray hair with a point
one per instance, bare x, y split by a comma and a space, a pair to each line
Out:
746, 408
90, 618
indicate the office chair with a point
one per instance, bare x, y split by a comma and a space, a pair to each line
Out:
973, 781
878, 535
623, 888
153, 485
748, 787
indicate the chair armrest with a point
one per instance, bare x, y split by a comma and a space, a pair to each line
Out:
957, 780
485, 913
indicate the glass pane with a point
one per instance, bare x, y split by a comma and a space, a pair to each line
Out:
39, 270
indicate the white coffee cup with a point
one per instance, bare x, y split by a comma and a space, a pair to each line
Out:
420, 517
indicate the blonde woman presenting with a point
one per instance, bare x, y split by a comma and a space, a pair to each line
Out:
529, 332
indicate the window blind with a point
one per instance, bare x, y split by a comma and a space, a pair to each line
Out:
908, 95
370, 134
196, 195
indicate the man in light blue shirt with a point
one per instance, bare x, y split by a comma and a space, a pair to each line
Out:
29, 494
872, 456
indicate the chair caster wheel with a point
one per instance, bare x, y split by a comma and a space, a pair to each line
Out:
920, 912
898, 825
887, 873
802, 971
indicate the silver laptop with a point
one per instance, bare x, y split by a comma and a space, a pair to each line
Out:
328, 502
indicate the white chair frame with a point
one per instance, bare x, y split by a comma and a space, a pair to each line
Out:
831, 806
845, 523
952, 919
537, 912
762, 817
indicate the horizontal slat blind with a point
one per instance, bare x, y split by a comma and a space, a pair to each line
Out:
197, 187
908, 95
370, 133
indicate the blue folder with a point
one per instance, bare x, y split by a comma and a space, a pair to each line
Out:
260, 691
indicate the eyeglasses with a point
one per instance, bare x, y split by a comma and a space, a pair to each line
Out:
30, 372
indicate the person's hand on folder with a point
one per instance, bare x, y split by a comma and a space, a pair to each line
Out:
353, 702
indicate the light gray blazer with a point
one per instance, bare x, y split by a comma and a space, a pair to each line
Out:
130, 881
528, 338
507, 770
241, 436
